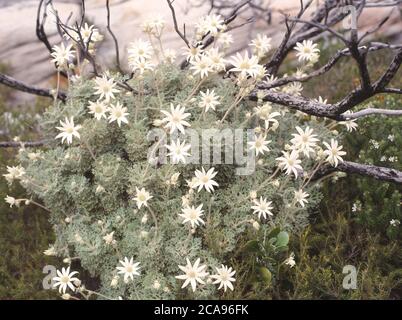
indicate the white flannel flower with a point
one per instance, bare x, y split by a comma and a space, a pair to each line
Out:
142, 65
201, 65
261, 44
142, 197
259, 144
68, 130
214, 23
175, 119
105, 88
204, 179
300, 197
98, 109
304, 141
350, 124
224, 39
154, 25
118, 113
192, 274
170, 55
65, 279
218, 63
224, 277
269, 81
293, 89
290, 162
109, 238
62, 55
262, 207
264, 113
178, 151
86, 32
245, 65
50, 251
334, 153
307, 51
192, 53
209, 100
291, 260
192, 215
13, 173
140, 50
12, 201
321, 100
129, 268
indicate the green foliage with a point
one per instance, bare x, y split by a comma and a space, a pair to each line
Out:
24, 232
353, 225
337, 240
378, 142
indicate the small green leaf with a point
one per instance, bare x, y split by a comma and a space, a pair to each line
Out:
252, 246
282, 249
274, 232
282, 239
265, 275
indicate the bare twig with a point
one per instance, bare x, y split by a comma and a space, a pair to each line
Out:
18, 85
116, 43
176, 27
371, 111
379, 173
26, 144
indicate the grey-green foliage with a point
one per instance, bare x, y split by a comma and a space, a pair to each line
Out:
96, 194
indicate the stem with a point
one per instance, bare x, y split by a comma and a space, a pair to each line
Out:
237, 100
312, 174
157, 90
96, 293
141, 96
57, 88
89, 149
35, 203
155, 221
155, 148
194, 90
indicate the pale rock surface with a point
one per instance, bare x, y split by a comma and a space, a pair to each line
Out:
30, 62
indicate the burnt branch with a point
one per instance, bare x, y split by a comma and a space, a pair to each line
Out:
18, 85
176, 27
23, 144
116, 43
376, 172
41, 17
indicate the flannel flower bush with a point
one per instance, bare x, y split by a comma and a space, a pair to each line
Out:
146, 228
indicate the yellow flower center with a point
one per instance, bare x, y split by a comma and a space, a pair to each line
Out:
193, 215
244, 65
